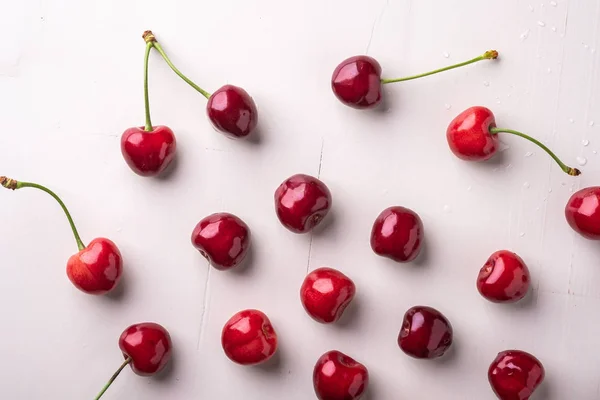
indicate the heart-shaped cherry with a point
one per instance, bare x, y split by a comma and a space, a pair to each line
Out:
230, 109
397, 234
339, 377
150, 149
248, 338
325, 294
504, 278
97, 267
302, 202
147, 349
223, 239
425, 333
357, 82
583, 212
515, 374
473, 136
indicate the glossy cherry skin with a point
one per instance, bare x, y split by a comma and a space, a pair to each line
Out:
223, 239
97, 269
583, 212
425, 333
232, 111
325, 294
339, 377
301, 203
148, 345
469, 134
504, 278
356, 82
397, 234
248, 338
515, 374
148, 153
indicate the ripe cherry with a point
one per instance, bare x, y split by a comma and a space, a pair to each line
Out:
223, 239
147, 349
357, 82
339, 377
248, 338
150, 149
397, 234
230, 109
504, 278
302, 202
425, 333
515, 374
326, 293
583, 212
97, 267
473, 136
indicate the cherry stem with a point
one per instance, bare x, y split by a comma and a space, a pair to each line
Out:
148, 127
569, 170
13, 184
488, 55
151, 39
113, 377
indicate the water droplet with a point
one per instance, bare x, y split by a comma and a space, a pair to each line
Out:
541, 23
446, 54
498, 102
448, 106
563, 183
586, 46
525, 35
591, 123
531, 8
528, 154
508, 95
522, 234
486, 83
581, 161
594, 151
553, 3
469, 188
570, 189
526, 185
447, 208
585, 142
553, 29
119, 229
549, 70
571, 120
550, 190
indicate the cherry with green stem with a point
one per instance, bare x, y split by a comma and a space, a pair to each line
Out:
97, 267
230, 109
473, 136
148, 150
357, 81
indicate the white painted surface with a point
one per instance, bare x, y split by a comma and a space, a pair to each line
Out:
70, 84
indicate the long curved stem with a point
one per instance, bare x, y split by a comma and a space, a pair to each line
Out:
148, 127
569, 170
113, 377
13, 184
488, 55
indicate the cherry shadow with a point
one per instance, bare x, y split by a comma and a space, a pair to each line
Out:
351, 318
246, 267
544, 391
326, 225
119, 292
166, 375
526, 303
451, 355
171, 170
385, 107
422, 260
273, 365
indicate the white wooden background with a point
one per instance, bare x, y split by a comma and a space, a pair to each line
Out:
71, 83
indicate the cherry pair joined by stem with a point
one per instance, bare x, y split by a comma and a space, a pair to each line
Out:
357, 81
515, 375
97, 267
504, 278
473, 136
426, 333
583, 212
337, 376
248, 338
146, 348
397, 234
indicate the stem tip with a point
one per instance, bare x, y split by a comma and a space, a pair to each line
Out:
148, 36
490, 55
573, 171
8, 182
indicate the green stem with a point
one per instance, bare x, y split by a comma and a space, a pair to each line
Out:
488, 55
13, 184
112, 378
148, 127
569, 170
159, 48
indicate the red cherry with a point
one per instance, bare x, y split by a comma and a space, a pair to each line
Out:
248, 338
515, 374
356, 82
148, 345
232, 111
301, 203
96, 269
339, 377
326, 293
148, 153
425, 333
223, 239
397, 234
473, 136
504, 278
583, 212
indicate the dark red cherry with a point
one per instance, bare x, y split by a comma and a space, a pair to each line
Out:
356, 82
232, 111
339, 377
583, 212
515, 374
504, 278
148, 153
425, 333
148, 345
326, 293
397, 234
